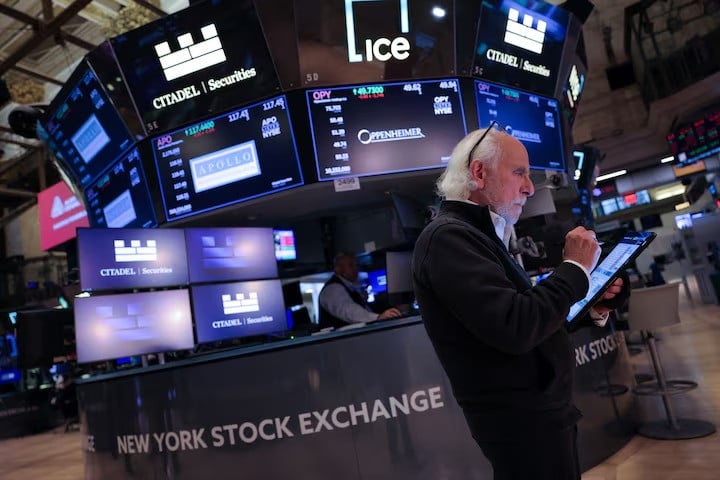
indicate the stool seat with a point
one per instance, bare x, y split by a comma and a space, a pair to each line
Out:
672, 387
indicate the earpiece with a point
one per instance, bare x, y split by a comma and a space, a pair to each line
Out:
473, 185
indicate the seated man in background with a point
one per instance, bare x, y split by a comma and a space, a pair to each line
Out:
341, 300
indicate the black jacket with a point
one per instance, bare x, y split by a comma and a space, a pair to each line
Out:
501, 341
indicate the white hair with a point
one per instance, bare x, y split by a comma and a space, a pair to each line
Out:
454, 183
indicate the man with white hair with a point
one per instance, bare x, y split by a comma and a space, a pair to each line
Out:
501, 341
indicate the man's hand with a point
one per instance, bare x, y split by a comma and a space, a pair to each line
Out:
581, 246
609, 294
390, 313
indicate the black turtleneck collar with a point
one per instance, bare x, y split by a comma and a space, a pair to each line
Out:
477, 215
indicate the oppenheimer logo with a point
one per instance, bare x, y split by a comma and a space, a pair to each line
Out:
240, 304
366, 136
191, 57
382, 49
135, 252
524, 35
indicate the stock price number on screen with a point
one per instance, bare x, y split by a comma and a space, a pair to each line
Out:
340, 144
449, 85
373, 91
200, 129
275, 102
413, 87
235, 116
511, 94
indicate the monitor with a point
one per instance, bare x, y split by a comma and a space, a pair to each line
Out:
233, 310
120, 197
284, 245
40, 336
385, 128
399, 272
118, 326
683, 221
86, 133
196, 62
696, 140
111, 259
222, 254
521, 44
292, 295
60, 212
372, 41
377, 280
228, 159
530, 118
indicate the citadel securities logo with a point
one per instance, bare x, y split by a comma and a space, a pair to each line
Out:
240, 304
135, 252
382, 49
191, 57
524, 35
366, 137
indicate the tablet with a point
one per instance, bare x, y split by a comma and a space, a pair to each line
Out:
605, 273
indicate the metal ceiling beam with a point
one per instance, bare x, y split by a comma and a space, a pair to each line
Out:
35, 74
8, 165
37, 25
151, 7
16, 192
18, 142
40, 36
12, 215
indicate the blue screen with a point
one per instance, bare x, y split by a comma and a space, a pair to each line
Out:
530, 118
521, 44
86, 134
120, 197
239, 309
221, 254
378, 281
111, 258
228, 159
284, 245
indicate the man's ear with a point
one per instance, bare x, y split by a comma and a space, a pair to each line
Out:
478, 173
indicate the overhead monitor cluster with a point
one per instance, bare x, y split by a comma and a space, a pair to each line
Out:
205, 104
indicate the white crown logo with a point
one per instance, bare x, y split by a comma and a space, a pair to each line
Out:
135, 252
192, 56
240, 304
523, 34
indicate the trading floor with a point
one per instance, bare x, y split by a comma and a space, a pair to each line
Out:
689, 351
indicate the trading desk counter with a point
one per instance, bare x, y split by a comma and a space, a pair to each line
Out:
365, 403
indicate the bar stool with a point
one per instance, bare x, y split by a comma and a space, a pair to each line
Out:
651, 308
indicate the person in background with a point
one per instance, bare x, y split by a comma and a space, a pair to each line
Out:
501, 341
341, 300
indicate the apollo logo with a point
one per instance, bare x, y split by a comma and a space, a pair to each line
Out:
524, 35
225, 166
135, 251
90, 138
191, 57
241, 303
382, 49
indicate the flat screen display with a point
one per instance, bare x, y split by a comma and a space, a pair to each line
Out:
221, 254
385, 128
120, 197
530, 118
224, 160
627, 249
284, 245
377, 280
131, 258
118, 326
374, 40
240, 309
697, 140
85, 131
521, 44
59, 214
198, 61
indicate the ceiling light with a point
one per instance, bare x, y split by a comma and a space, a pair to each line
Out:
682, 206
611, 175
667, 159
438, 12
